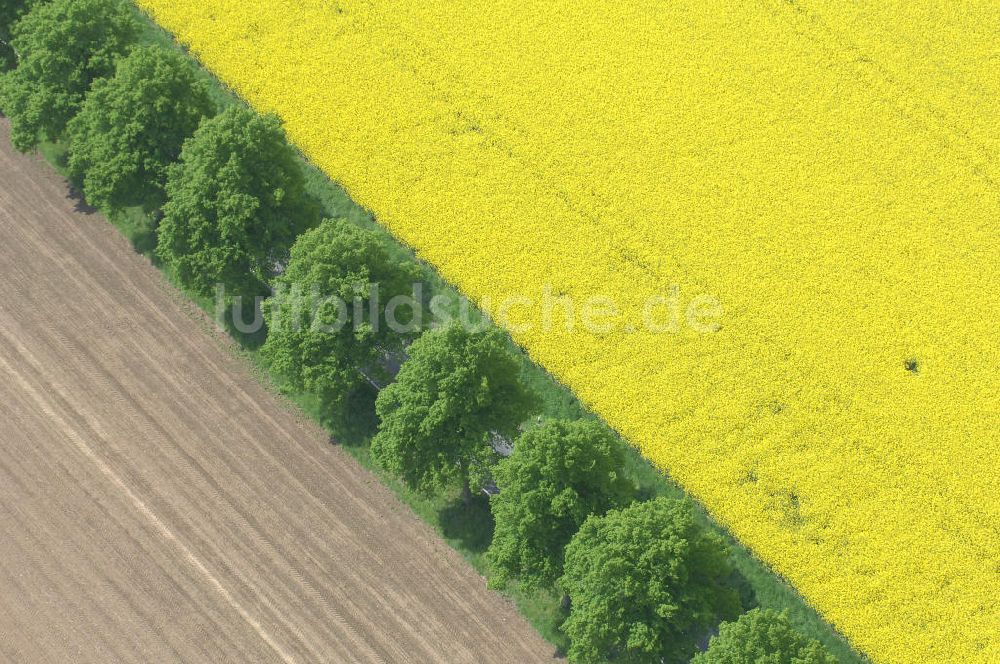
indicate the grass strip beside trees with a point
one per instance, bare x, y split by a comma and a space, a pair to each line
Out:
644, 575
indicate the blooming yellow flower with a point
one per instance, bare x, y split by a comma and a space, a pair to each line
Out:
826, 172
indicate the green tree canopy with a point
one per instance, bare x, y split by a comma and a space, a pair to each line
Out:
645, 583
131, 128
763, 636
456, 388
63, 46
236, 201
10, 12
322, 336
559, 474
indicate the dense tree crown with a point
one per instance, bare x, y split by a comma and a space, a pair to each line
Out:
559, 474
646, 582
63, 46
763, 636
322, 336
132, 126
454, 391
10, 12
236, 201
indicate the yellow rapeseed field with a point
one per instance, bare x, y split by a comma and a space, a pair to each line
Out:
826, 172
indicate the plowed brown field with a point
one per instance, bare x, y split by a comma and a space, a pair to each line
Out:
158, 504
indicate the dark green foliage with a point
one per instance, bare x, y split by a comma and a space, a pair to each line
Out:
559, 474
763, 637
63, 46
455, 390
10, 12
468, 527
132, 126
646, 583
235, 204
321, 334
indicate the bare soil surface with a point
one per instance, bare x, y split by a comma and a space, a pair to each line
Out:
158, 504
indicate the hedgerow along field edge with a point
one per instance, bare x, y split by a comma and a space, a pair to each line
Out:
466, 530
841, 209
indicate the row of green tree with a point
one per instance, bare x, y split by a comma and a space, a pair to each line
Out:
642, 581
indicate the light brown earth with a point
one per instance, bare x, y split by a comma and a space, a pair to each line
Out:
157, 504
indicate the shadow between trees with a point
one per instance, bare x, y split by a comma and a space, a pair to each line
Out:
470, 523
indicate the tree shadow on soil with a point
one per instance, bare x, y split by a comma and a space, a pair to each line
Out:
80, 203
